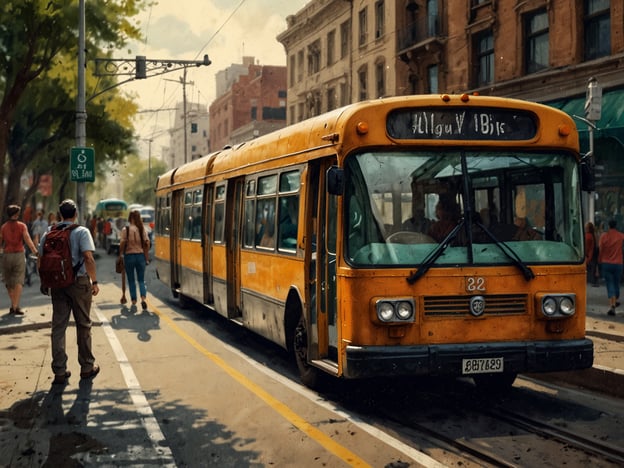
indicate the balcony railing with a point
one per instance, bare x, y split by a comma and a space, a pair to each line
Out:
418, 31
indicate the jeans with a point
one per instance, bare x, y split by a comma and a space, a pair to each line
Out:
612, 273
135, 262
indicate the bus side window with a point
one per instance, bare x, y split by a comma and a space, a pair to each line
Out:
288, 214
265, 223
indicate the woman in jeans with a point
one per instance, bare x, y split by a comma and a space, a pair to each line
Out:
134, 246
610, 259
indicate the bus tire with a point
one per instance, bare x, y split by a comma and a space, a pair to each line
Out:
309, 375
495, 383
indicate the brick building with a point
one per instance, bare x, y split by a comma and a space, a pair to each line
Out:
252, 102
540, 50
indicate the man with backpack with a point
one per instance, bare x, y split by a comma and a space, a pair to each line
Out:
71, 290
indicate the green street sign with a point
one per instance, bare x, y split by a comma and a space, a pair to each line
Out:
82, 165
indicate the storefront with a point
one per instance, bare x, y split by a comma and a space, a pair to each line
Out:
608, 151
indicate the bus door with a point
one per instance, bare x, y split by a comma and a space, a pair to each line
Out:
322, 336
207, 244
234, 209
177, 210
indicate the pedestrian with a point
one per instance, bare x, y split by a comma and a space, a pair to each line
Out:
13, 235
591, 254
134, 246
39, 226
75, 299
610, 259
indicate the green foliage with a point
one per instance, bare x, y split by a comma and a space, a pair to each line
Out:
139, 179
38, 68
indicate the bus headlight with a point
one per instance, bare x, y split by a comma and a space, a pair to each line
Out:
558, 305
404, 310
566, 306
395, 310
549, 306
385, 311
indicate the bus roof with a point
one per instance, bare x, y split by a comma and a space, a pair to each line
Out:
340, 131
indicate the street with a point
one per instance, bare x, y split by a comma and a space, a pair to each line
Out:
186, 388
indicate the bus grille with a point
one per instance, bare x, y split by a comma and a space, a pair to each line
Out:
495, 304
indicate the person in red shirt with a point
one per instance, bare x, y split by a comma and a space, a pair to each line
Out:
591, 253
610, 258
13, 235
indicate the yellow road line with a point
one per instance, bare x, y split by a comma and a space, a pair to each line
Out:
321, 438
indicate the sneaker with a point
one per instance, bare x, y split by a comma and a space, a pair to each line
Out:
144, 305
18, 311
11, 310
611, 311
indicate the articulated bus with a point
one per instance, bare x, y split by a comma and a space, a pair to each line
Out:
421, 235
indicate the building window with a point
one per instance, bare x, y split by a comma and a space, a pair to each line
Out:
345, 33
484, 58
597, 29
432, 78
363, 83
344, 94
380, 19
331, 47
331, 99
380, 79
292, 67
314, 58
300, 66
362, 25
536, 48
193, 127
432, 18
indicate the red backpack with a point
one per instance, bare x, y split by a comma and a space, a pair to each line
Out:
55, 265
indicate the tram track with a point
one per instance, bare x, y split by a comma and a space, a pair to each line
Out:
600, 449
461, 426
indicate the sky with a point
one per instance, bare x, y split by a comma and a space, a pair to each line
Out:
226, 30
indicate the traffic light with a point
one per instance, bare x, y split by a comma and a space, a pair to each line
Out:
140, 71
593, 100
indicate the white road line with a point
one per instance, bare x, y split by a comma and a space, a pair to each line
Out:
144, 410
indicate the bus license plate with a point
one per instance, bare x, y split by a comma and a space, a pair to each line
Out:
482, 365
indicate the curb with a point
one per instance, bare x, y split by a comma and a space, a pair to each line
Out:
600, 379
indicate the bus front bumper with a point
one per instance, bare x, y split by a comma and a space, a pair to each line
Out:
447, 360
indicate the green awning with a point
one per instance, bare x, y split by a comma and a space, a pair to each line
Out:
611, 124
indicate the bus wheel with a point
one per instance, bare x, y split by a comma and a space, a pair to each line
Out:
495, 383
309, 375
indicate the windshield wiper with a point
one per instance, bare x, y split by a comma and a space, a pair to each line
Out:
435, 254
439, 250
510, 253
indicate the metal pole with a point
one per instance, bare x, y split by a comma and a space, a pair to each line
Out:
184, 110
590, 202
81, 113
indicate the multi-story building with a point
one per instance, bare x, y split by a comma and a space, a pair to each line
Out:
189, 137
339, 52
540, 50
252, 102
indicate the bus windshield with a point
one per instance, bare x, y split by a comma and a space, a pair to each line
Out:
486, 208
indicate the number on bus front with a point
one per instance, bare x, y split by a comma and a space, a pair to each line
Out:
475, 283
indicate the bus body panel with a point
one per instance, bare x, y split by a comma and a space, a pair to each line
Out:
265, 284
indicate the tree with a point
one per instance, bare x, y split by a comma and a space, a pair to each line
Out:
140, 180
35, 37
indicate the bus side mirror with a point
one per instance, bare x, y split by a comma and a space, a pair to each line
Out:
335, 180
588, 181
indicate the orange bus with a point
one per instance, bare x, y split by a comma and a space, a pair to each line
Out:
432, 235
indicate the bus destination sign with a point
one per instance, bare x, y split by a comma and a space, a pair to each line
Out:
461, 124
